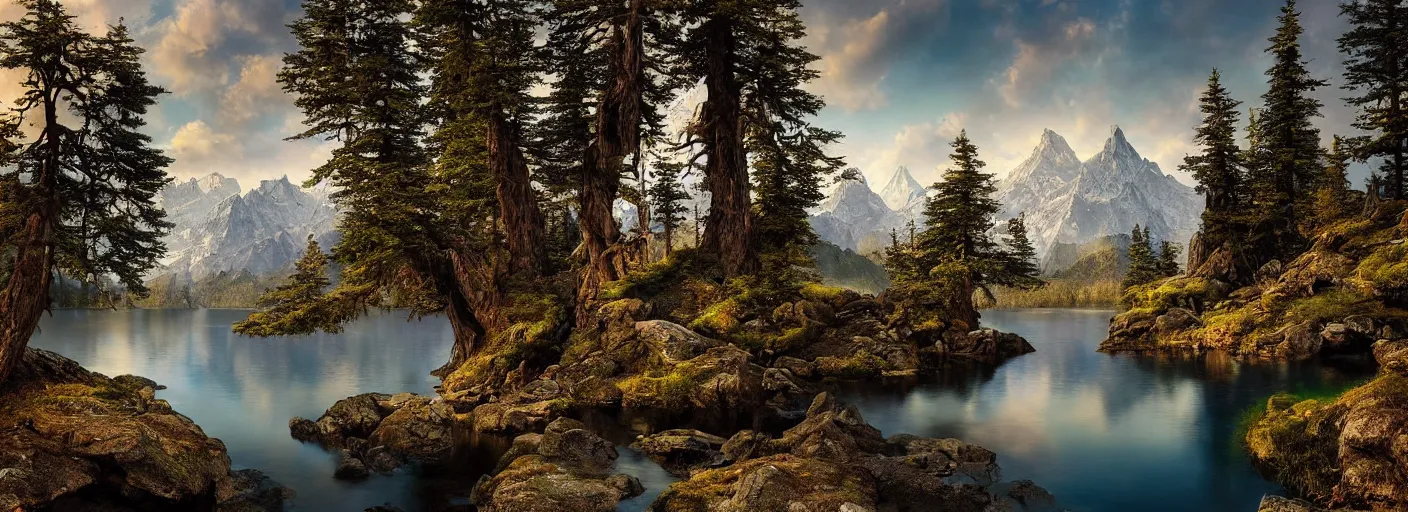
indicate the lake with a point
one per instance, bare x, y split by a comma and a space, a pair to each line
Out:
1101, 432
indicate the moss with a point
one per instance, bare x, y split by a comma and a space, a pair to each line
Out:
655, 278
1170, 293
670, 391
859, 365
1385, 273
822, 293
720, 318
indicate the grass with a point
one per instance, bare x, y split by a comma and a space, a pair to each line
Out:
1295, 436
821, 293
670, 392
1060, 293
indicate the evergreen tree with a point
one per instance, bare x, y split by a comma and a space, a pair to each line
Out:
1376, 67
78, 198
1169, 254
295, 307
899, 259
1288, 139
1218, 168
482, 66
1143, 264
1020, 268
667, 196
955, 251
747, 54
1333, 199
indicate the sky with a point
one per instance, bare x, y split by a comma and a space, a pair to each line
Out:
900, 77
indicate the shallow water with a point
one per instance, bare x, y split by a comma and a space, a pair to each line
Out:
1102, 433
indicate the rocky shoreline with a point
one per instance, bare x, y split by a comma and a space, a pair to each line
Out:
71, 439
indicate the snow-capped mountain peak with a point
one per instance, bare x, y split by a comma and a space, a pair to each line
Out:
903, 190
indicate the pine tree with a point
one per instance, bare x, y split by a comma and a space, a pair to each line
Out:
1333, 198
955, 250
1376, 66
899, 260
1169, 254
1019, 268
297, 306
482, 66
78, 198
1143, 264
667, 196
747, 54
1290, 142
1218, 168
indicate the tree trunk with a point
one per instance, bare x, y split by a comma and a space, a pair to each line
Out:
523, 222
26, 295
476, 304
618, 133
728, 231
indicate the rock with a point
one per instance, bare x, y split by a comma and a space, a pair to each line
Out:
797, 367
682, 451
1360, 325
1297, 342
568, 471
303, 429
1131, 331
1335, 334
674, 343
420, 430
1279, 504
1270, 272
1175, 322
1392, 355
509, 418
68, 429
355, 416
349, 467
777, 483
1310, 272
988, 346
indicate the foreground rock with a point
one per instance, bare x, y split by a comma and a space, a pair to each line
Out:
71, 439
566, 468
1279, 504
377, 432
834, 461
1352, 452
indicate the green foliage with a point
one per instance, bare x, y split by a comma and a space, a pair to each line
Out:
1286, 164
846, 269
1159, 296
1333, 199
1143, 263
1019, 268
89, 177
1218, 169
667, 197
1169, 254
1376, 49
298, 306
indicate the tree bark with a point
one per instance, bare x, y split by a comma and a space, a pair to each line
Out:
524, 227
728, 230
618, 133
26, 295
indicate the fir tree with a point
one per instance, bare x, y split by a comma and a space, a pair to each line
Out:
295, 307
747, 54
78, 198
482, 65
1019, 268
1376, 67
1333, 198
667, 196
1218, 169
1169, 254
955, 250
1143, 263
1288, 139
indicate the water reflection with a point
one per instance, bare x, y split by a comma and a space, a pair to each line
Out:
1101, 432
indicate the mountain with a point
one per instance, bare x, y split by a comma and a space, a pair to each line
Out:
1102, 258
1106, 195
845, 268
855, 217
903, 191
1066, 201
219, 228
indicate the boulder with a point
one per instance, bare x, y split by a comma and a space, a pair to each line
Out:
512, 418
1293, 342
567, 468
988, 346
673, 343
1279, 504
68, 429
1175, 322
421, 429
682, 451
349, 467
1392, 355
381, 432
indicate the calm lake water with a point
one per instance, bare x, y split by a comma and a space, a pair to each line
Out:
1102, 433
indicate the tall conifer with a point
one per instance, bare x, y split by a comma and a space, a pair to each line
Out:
1376, 67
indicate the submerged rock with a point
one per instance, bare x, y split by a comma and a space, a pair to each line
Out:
567, 468
681, 451
77, 438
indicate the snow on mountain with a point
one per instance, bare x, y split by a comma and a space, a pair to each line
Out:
903, 191
1065, 200
219, 228
1107, 195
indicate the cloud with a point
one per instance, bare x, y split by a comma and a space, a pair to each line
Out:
924, 144
256, 93
858, 43
1036, 61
